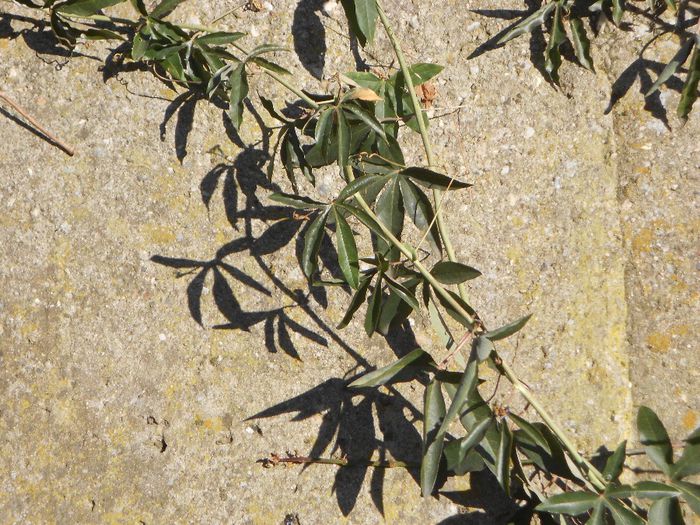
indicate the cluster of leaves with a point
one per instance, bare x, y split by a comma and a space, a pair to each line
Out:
196, 58
557, 15
618, 499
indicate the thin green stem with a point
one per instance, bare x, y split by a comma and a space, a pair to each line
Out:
299, 93
418, 112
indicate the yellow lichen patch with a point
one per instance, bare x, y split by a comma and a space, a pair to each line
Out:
642, 241
158, 234
659, 342
690, 420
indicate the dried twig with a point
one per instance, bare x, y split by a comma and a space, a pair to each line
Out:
52, 138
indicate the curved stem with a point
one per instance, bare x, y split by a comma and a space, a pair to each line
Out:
595, 477
418, 112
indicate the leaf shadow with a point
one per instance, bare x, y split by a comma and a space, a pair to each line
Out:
309, 36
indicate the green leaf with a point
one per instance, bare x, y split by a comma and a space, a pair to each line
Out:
312, 243
347, 250
219, 38
296, 201
582, 45
270, 66
529, 24
404, 293
449, 272
85, 7
615, 463
618, 11
557, 37
139, 45
460, 463
421, 72
532, 431
431, 179
466, 386
598, 515
555, 462
507, 330
689, 463
367, 118
322, 132
238, 91
374, 307
420, 211
483, 347
357, 299
466, 445
383, 375
621, 514
454, 313
165, 8
666, 511
366, 15
505, 448
139, 7
654, 490
390, 211
677, 61
364, 218
691, 494
361, 183
571, 503
476, 411
433, 414
654, 438
690, 89
343, 138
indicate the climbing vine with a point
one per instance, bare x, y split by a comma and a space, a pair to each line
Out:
357, 130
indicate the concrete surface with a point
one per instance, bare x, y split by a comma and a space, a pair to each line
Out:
118, 407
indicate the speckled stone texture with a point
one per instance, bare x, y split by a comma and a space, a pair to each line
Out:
118, 407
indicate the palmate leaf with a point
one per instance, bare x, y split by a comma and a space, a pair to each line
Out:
347, 250
484, 348
296, 201
457, 452
433, 414
402, 292
360, 183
